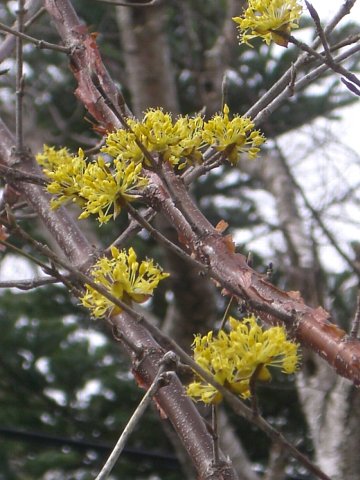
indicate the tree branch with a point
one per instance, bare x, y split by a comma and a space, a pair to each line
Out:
311, 326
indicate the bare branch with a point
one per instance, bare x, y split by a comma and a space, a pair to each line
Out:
33, 12
41, 44
281, 85
305, 80
132, 229
135, 4
19, 145
12, 175
356, 322
29, 284
134, 420
327, 58
161, 239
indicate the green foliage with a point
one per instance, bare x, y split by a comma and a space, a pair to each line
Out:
62, 377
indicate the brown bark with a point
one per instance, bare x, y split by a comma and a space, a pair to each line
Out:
151, 82
181, 411
310, 326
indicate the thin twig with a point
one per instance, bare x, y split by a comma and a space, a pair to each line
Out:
161, 239
132, 229
327, 59
8, 44
96, 148
356, 322
352, 80
226, 314
52, 270
212, 162
29, 284
150, 3
134, 420
48, 270
19, 145
252, 384
319, 29
41, 44
12, 174
36, 15
309, 77
344, 9
301, 83
346, 41
354, 267
215, 434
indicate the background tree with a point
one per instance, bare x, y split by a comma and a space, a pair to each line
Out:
64, 380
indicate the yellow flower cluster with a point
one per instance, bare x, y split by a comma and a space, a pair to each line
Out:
97, 187
102, 188
233, 357
176, 142
264, 18
182, 142
233, 136
125, 278
65, 171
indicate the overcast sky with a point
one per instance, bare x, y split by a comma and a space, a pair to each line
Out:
326, 10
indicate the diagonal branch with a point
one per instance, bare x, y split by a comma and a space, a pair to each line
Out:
171, 399
311, 326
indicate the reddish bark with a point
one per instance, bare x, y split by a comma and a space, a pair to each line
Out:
311, 327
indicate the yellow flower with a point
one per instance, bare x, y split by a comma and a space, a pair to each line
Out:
125, 278
103, 188
65, 171
232, 136
178, 142
122, 145
98, 187
51, 158
182, 142
233, 357
263, 18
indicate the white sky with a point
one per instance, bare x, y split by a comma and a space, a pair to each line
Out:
327, 8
